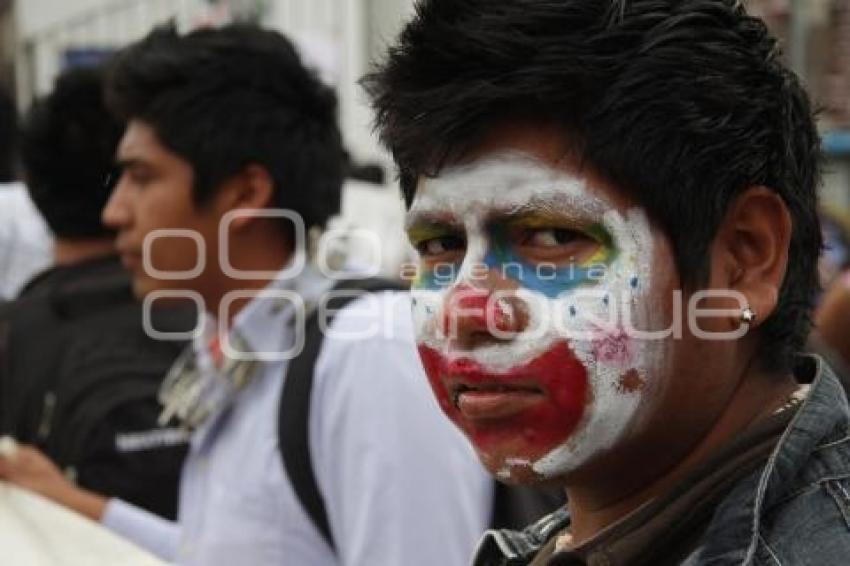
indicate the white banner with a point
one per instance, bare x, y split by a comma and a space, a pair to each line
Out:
37, 532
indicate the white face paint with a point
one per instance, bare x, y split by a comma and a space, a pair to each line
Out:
571, 307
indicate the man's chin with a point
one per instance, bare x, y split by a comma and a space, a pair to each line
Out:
145, 286
514, 469
142, 287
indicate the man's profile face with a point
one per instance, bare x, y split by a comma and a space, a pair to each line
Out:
533, 277
154, 193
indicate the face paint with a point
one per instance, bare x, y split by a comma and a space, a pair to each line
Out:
557, 373
548, 279
568, 383
439, 276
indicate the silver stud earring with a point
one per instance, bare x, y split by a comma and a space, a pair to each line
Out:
748, 315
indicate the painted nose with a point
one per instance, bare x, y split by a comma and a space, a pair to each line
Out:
472, 315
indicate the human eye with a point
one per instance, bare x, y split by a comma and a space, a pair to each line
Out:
439, 247
113, 177
551, 237
138, 176
555, 244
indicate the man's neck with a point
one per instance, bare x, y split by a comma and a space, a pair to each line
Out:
266, 255
68, 251
594, 507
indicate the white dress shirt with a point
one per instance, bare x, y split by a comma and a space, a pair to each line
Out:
26, 246
400, 483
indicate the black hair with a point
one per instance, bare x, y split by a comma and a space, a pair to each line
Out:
223, 99
682, 103
68, 143
8, 136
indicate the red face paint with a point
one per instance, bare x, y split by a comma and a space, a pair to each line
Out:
504, 417
476, 308
615, 349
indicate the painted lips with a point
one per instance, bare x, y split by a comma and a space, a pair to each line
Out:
541, 401
494, 403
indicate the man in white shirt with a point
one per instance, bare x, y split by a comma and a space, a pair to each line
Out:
26, 245
223, 124
25, 241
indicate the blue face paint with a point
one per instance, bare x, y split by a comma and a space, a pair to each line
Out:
546, 278
437, 278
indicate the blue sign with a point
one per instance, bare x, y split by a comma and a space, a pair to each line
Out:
837, 143
85, 56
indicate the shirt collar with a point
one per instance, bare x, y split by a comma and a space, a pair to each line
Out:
265, 325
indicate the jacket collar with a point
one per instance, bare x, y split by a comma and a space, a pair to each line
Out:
732, 537
823, 418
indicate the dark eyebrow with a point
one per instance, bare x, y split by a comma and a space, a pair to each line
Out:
131, 162
426, 219
525, 217
540, 210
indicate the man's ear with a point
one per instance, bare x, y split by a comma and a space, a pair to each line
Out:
252, 188
750, 250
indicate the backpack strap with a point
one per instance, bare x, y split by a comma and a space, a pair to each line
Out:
294, 411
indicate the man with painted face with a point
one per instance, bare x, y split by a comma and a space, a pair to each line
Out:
614, 207
227, 130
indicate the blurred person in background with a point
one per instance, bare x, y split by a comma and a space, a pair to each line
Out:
25, 242
8, 136
835, 259
831, 333
79, 376
225, 128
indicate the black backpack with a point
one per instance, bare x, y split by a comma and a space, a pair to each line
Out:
79, 378
513, 507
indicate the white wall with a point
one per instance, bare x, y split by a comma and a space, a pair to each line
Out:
334, 32
348, 33
36, 16
352, 33
384, 19
47, 28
